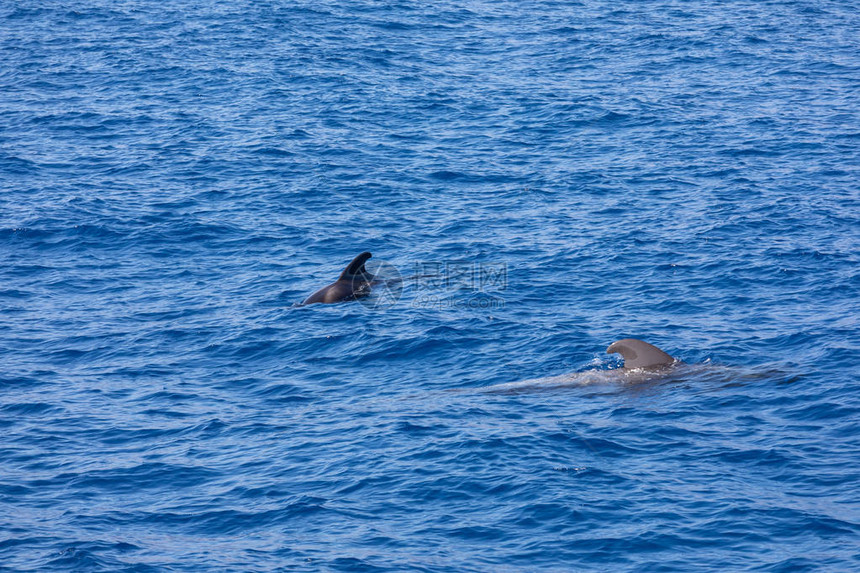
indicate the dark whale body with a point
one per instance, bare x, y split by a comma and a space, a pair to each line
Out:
354, 282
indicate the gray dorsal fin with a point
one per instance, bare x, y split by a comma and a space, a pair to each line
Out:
356, 267
639, 354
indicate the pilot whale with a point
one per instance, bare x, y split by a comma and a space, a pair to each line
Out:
643, 362
354, 282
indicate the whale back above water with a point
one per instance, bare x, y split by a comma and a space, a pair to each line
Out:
643, 362
354, 282
640, 354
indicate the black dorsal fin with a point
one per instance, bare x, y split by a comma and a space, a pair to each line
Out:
356, 267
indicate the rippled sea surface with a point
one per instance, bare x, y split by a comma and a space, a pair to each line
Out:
176, 176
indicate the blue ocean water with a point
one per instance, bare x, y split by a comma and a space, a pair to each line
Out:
176, 176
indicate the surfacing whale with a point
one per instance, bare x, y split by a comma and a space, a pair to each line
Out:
353, 283
643, 362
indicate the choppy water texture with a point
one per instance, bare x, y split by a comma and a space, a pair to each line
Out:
175, 176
